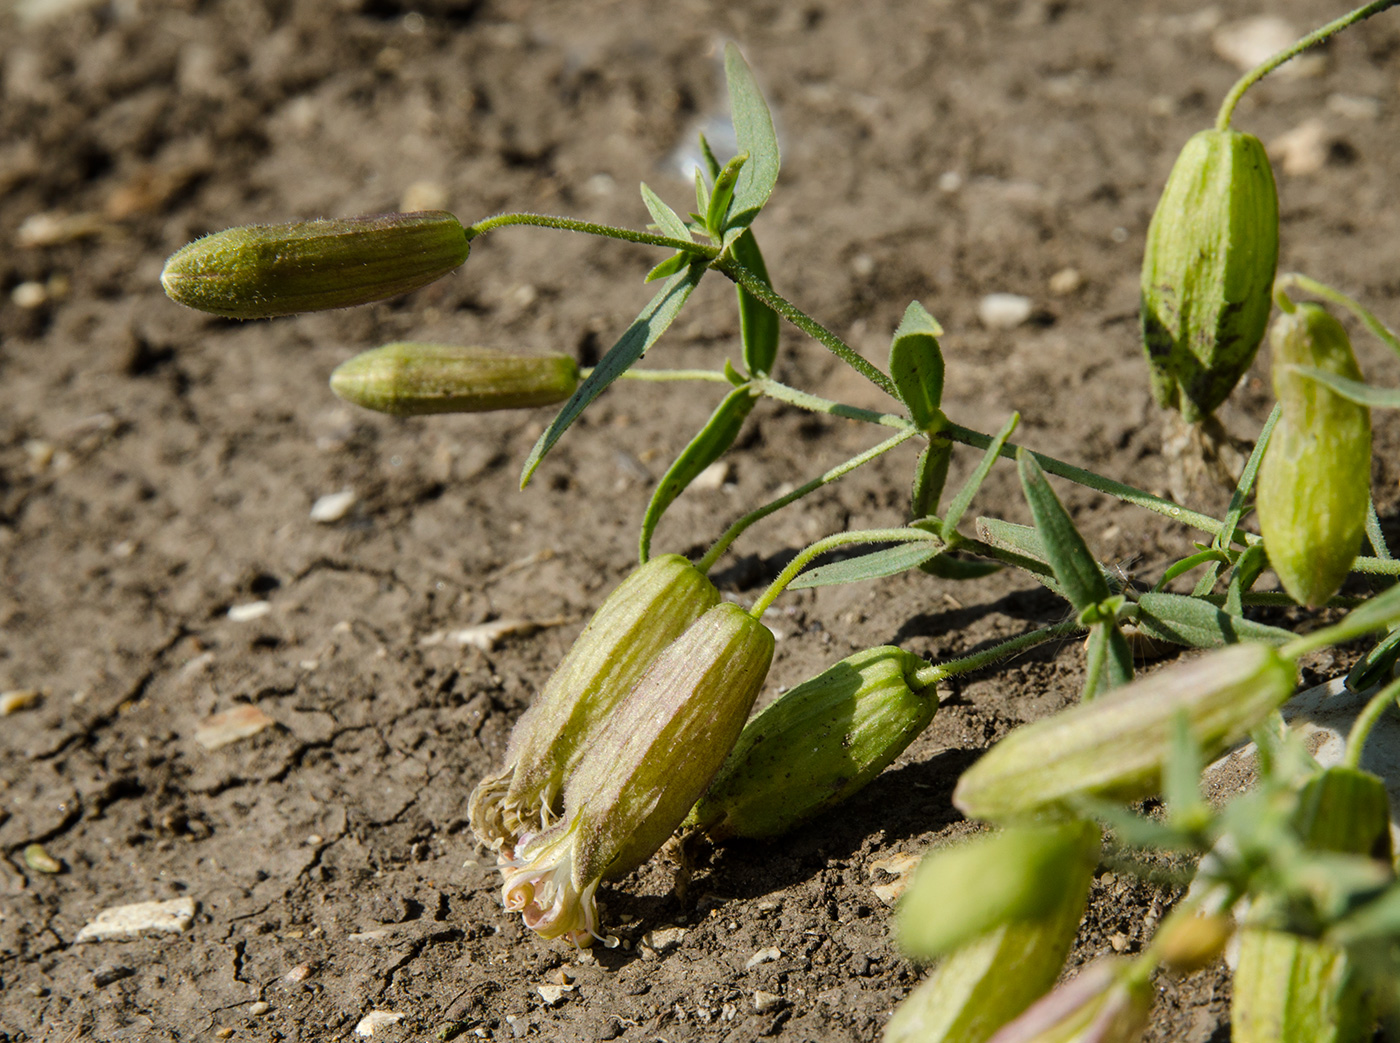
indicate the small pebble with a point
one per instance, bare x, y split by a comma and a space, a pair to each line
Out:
260, 1007
298, 973
664, 939
1004, 311
1302, 150
246, 613
949, 181
18, 699
763, 1002
30, 295
39, 860
375, 1020
712, 477
763, 956
1251, 41
125, 921
224, 1033
1066, 281
220, 729
553, 995
106, 975
333, 507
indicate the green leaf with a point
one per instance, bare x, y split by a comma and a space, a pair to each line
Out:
1120, 657
1076, 569
916, 365
712, 165
645, 330
1378, 665
1247, 568
705, 448
702, 195
1201, 557
1181, 775
667, 220
945, 566
753, 127
930, 474
758, 323
881, 563
1020, 546
723, 194
669, 267
959, 504
1198, 624
1357, 391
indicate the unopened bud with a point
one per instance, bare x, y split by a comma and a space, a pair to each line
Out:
1116, 746
817, 744
258, 271
1208, 271
964, 891
415, 379
1315, 481
648, 611
653, 757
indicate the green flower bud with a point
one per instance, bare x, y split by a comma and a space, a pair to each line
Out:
415, 379
1015, 875
653, 607
1105, 1003
1116, 746
1315, 480
817, 744
258, 271
1290, 989
1208, 271
983, 984
653, 757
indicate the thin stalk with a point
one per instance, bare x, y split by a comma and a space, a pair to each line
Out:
568, 224
734, 531
1366, 720
1249, 79
760, 289
930, 675
830, 543
816, 404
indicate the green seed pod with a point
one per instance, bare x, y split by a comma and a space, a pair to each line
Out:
1289, 989
1315, 480
258, 271
983, 984
1208, 271
1116, 746
816, 745
415, 379
653, 757
1016, 874
653, 607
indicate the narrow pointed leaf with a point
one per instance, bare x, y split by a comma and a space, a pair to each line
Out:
930, 474
753, 127
945, 566
916, 365
1120, 657
669, 267
1065, 548
666, 219
1198, 624
758, 323
702, 196
1021, 547
957, 507
642, 334
881, 563
712, 164
705, 448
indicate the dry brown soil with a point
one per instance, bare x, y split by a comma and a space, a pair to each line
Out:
158, 469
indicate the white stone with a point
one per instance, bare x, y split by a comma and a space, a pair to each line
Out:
712, 477
127, 921
248, 612
1004, 311
763, 956
553, 995
18, 699
220, 729
1302, 150
333, 507
763, 1002
376, 1020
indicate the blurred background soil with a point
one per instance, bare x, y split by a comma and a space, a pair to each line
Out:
161, 562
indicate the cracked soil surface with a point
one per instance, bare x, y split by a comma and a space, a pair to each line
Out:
158, 469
